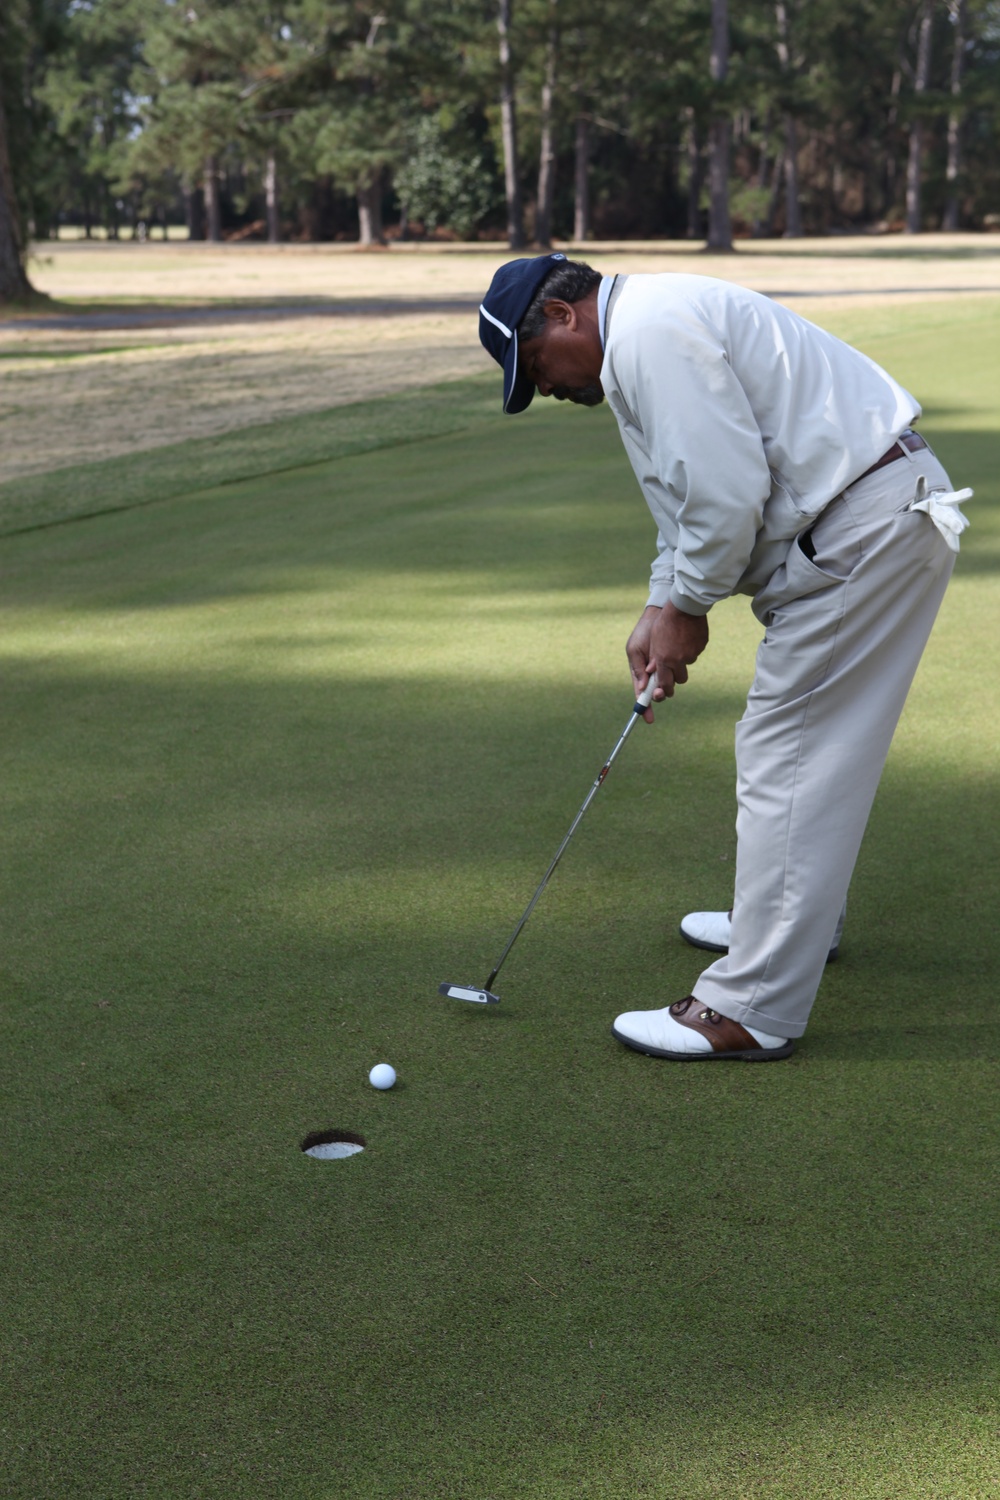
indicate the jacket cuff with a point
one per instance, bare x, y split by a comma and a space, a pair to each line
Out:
686, 604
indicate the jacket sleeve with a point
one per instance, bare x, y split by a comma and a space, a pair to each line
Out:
698, 454
661, 577
661, 574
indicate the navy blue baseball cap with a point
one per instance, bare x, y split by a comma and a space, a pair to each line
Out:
503, 307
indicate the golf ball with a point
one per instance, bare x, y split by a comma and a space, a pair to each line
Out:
382, 1076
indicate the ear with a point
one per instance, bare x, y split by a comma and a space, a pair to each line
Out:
561, 312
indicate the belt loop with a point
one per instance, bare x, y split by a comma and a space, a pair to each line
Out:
899, 449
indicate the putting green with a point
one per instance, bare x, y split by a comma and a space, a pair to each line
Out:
282, 755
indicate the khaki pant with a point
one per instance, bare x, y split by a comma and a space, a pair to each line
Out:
844, 635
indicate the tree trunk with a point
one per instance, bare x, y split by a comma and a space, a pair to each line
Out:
763, 174
194, 212
581, 182
915, 162
547, 155
890, 172
793, 214
322, 211
776, 184
14, 284
957, 11
271, 199
370, 212
508, 131
213, 216
720, 234
693, 151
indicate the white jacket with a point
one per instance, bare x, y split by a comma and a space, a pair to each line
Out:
742, 422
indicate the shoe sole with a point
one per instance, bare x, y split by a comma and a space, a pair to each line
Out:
754, 1054
724, 948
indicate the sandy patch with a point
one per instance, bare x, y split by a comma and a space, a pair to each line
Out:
154, 270
63, 401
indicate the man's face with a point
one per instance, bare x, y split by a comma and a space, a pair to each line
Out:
565, 360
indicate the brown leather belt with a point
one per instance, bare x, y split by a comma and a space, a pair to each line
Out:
910, 440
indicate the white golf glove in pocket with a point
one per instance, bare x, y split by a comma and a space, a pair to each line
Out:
942, 507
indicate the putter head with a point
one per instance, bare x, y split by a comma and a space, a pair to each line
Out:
468, 992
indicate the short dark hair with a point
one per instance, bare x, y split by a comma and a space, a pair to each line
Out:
569, 282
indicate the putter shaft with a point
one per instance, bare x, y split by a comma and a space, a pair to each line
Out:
639, 707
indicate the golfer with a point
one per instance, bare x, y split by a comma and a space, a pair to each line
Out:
779, 463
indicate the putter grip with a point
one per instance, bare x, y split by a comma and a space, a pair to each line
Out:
645, 698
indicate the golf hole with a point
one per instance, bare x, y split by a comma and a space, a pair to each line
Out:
333, 1145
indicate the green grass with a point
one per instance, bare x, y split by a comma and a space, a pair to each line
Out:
282, 755
178, 469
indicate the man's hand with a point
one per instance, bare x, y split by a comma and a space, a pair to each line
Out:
665, 641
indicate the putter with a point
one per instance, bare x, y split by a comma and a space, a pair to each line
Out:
485, 996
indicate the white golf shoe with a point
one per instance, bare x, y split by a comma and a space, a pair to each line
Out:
689, 1031
707, 929
711, 930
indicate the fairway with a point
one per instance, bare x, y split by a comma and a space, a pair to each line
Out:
282, 754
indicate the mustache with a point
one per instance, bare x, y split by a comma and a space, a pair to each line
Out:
580, 395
